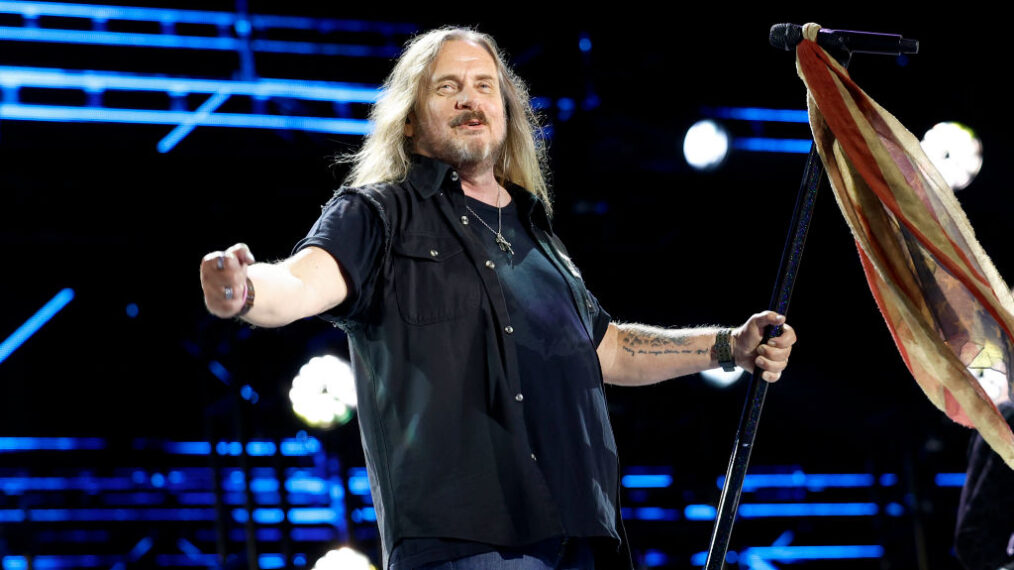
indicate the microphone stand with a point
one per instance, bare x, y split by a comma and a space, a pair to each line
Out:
792, 252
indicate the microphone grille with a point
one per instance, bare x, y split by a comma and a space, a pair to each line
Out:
785, 36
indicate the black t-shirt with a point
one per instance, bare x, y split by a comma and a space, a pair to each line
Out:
560, 375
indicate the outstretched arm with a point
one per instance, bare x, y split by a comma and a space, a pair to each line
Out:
635, 355
308, 283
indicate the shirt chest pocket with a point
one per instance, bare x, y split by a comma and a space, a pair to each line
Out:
434, 280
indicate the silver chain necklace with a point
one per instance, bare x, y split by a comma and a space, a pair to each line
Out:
505, 246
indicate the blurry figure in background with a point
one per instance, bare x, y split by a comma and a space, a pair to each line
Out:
984, 537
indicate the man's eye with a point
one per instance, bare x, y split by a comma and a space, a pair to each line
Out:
445, 87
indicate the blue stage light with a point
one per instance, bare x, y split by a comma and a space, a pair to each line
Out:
188, 447
271, 561
261, 448
653, 558
584, 44
654, 514
308, 485
309, 515
35, 322
32, 10
760, 144
797, 553
99, 81
949, 479
184, 128
634, 481
196, 498
813, 482
358, 482
132, 310
51, 113
12, 516
319, 534
16, 444
700, 558
759, 114
760, 510
141, 548
15, 563
300, 446
699, 512
173, 41
219, 371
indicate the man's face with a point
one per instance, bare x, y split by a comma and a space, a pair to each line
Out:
459, 117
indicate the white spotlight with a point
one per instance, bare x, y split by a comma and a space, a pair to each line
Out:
956, 152
344, 559
323, 394
705, 145
720, 378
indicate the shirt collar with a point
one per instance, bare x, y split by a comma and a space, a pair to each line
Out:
428, 175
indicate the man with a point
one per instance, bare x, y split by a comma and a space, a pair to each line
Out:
984, 535
479, 354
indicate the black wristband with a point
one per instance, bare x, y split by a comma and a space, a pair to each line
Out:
723, 350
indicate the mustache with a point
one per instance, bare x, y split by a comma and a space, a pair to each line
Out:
468, 116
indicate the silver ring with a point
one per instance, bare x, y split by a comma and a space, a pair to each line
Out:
229, 294
220, 262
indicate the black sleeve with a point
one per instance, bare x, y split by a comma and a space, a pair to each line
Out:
985, 526
350, 229
601, 320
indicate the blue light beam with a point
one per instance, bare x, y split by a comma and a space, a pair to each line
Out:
184, 128
234, 120
35, 322
762, 144
14, 77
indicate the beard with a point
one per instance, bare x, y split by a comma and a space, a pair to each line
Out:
461, 149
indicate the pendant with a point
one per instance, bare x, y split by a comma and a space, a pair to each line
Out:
505, 246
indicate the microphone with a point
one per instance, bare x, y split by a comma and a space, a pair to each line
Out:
787, 36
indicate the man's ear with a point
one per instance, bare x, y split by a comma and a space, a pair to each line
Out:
409, 126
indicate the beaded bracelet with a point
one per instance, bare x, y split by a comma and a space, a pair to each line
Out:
249, 300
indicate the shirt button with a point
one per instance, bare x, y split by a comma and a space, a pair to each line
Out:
519, 397
434, 253
454, 176
490, 264
508, 329
533, 457
464, 220
588, 303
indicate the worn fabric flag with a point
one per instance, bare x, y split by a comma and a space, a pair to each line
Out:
944, 302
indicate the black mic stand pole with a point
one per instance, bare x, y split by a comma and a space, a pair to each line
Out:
728, 504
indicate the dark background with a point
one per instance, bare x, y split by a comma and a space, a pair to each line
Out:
96, 208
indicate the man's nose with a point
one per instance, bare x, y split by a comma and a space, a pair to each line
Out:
465, 100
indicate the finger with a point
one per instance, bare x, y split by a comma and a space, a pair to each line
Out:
770, 365
242, 253
774, 352
787, 339
769, 318
770, 376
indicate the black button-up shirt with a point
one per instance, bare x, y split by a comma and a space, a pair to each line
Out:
436, 365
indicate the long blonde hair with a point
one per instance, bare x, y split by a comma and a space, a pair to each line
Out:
386, 152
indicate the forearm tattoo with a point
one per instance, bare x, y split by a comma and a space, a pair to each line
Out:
638, 340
